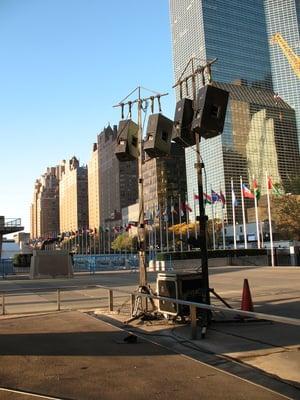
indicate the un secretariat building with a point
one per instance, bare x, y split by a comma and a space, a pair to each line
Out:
260, 130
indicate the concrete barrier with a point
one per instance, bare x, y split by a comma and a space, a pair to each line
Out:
50, 264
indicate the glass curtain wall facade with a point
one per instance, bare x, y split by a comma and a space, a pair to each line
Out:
283, 16
235, 32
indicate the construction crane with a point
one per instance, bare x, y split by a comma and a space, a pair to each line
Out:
292, 57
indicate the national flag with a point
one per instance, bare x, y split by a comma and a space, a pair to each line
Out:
186, 207
173, 211
276, 190
165, 214
215, 197
256, 189
157, 213
222, 198
207, 198
247, 194
234, 200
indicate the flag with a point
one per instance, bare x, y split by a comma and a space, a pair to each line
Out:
165, 214
186, 207
196, 197
173, 211
215, 197
157, 214
222, 198
256, 189
207, 198
234, 200
128, 227
276, 190
247, 194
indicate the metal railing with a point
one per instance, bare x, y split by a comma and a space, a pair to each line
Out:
193, 306
11, 222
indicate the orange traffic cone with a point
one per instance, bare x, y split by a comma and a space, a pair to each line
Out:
247, 304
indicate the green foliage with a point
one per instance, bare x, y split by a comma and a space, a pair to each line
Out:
124, 242
22, 260
286, 215
293, 185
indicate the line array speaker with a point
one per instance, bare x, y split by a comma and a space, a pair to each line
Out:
183, 119
210, 111
159, 134
127, 141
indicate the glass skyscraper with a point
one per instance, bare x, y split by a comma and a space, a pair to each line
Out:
256, 125
283, 16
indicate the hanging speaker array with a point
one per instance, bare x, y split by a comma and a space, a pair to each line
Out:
159, 135
183, 119
205, 117
127, 141
210, 111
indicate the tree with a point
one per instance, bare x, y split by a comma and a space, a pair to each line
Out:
124, 242
293, 185
286, 215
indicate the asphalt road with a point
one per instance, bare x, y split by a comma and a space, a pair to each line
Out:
274, 290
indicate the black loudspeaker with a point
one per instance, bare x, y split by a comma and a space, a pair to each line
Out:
210, 111
159, 134
187, 286
183, 119
127, 141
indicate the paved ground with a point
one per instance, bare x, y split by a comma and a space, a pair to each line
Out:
70, 355
273, 348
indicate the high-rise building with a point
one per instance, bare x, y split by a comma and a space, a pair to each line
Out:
112, 184
235, 33
260, 135
44, 211
283, 16
164, 181
73, 197
94, 188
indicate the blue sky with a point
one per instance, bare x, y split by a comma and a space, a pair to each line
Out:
64, 64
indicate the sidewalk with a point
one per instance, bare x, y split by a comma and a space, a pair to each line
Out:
75, 356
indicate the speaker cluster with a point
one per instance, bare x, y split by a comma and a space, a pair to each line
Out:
205, 117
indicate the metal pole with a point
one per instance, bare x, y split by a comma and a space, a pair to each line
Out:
193, 314
58, 299
3, 303
202, 224
270, 222
110, 300
202, 217
141, 226
244, 215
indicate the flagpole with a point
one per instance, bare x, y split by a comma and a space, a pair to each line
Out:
222, 215
155, 237
244, 216
213, 219
160, 229
195, 218
172, 221
233, 214
167, 224
270, 221
256, 213
180, 231
223, 227
82, 251
86, 240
